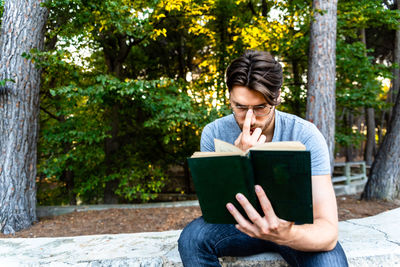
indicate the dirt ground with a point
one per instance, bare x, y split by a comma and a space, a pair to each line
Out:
115, 221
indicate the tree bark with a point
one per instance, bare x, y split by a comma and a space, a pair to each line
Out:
322, 70
394, 90
370, 121
116, 51
370, 144
22, 30
350, 147
384, 180
296, 89
112, 145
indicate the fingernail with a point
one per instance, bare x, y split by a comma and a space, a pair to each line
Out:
250, 111
239, 196
258, 188
229, 206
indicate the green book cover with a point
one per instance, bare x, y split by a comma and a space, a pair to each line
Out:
284, 174
217, 180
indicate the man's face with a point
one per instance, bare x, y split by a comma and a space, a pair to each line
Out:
242, 96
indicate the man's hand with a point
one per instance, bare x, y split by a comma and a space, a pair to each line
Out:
269, 227
249, 137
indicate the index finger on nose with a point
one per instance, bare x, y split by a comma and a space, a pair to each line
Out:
247, 122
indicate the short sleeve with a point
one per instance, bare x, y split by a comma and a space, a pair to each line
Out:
316, 144
207, 139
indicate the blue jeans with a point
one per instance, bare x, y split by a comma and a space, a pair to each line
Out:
201, 243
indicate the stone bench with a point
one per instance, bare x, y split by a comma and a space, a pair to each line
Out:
371, 241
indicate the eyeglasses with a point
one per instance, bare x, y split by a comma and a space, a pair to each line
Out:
259, 111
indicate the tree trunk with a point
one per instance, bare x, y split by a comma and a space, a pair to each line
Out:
394, 90
384, 180
322, 70
68, 176
22, 30
116, 50
296, 89
350, 147
370, 144
370, 121
111, 148
181, 58
264, 8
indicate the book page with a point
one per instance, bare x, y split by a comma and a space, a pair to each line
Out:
216, 154
222, 146
281, 146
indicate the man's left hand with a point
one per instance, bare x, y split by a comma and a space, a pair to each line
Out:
269, 227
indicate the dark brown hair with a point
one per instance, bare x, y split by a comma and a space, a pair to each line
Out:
259, 71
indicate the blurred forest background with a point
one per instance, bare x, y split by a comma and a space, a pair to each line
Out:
127, 86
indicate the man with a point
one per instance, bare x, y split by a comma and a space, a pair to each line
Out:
254, 81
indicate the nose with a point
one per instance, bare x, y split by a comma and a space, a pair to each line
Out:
253, 118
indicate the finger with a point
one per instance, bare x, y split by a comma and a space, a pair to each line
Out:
247, 123
256, 135
262, 139
237, 141
251, 212
245, 230
266, 206
243, 223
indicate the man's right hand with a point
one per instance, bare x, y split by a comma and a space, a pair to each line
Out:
248, 139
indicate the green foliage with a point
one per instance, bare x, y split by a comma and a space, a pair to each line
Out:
359, 76
355, 15
127, 86
357, 80
346, 137
373, 16
3, 82
1, 11
143, 181
158, 125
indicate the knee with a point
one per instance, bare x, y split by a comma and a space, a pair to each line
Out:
184, 239
191, 236
335, 257
340, 255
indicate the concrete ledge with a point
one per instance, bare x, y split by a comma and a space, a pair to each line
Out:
43, 211
372, 241
353, 188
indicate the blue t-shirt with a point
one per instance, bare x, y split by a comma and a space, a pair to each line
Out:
288, 127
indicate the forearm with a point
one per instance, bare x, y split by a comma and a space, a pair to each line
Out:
319, 236
323, 233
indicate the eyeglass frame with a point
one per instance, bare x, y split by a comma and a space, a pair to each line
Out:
245, 108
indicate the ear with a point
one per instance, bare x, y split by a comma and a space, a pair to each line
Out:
279, 97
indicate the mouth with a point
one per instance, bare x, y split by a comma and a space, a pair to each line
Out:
251, 131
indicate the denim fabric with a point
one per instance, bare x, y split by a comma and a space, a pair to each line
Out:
201, 243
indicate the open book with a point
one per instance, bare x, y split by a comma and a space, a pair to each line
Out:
283, 169
223, 148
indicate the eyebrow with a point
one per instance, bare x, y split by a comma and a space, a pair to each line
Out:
238, 104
